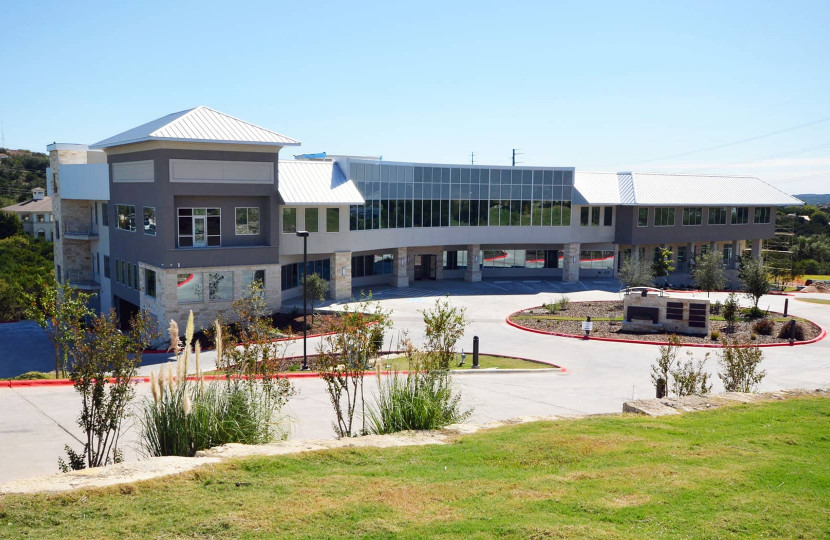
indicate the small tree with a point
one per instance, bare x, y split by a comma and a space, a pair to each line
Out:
59, 310
316, 288
708, 272
755, 279
444, 327
104, 361
636, 273
690, 377
662, 368
9, 225
730, 311
739, 367
663, 264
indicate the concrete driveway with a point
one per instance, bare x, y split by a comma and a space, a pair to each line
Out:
599, 376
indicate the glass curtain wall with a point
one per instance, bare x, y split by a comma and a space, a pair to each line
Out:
409, 196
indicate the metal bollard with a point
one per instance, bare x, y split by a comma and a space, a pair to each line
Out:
786, 306
792, 330
475, 352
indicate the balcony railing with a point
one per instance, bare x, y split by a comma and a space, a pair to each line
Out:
82, 280
80, 232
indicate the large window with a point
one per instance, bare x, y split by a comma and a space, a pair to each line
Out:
717, 215
520, 258
642, 217
663, 217
105, 214
372, 265
125, 217
333, 217
312, 219
693, 216
291, 274
596, 260
106, 266
608, 218
200, 227
762, 214
584, 216
289, 220
189, 287
251, 276
220, 286
247, 221
455, 260
150, 282
740, 215
149, 220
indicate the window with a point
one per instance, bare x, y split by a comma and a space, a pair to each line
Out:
681, 254
247, 221
762, 214
333, 218
57, 230
150, 220
188, 288
125, 217
740, 215
105, 214
220, 286
59, 274
693, 216
39, 218
117, 271
609, 216
312, 219
727, 253
584, 216
717, 215
106, 266
150, 282
200, 227
642, 217
55, 183
250, 276
663, 217
291, 274
289, 220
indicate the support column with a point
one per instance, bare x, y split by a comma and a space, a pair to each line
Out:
635, 252
733, 260
439, 263
757, 246
570, 258
473, 271
400, 274
616, 268
341, 275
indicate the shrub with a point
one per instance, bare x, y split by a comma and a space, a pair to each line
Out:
558, 305
445, 325
690, 378
636, 273
715, 309
708, 272
715, 335
661, 369
730, 311
739, 367
753, 312
784, 332
764, 327
753, 336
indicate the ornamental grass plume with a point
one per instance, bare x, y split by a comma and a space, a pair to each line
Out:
154, 384
171, 383
173, 333
186, 406
197, 347
218, 343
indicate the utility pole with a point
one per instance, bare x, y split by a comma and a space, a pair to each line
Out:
515, 153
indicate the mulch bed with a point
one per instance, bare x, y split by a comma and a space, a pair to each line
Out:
612, 329
287, 325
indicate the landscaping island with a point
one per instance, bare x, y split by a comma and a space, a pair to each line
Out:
607, 318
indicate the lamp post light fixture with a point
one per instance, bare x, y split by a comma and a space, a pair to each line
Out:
304, 236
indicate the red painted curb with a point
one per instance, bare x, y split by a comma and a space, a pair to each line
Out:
816, 339
774, 293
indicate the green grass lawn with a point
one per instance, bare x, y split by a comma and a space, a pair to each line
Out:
484, 361
814, 300
821, 277
31, 375
746, 471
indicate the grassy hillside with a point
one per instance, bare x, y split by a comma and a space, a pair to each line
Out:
814, 198
744, 471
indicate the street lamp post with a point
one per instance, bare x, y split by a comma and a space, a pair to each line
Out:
304, 236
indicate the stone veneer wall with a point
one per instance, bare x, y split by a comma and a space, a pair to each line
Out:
165, 305
71, 250
659, 302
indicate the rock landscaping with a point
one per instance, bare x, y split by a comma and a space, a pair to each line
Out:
607, 317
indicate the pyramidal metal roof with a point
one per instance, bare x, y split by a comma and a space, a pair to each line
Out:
315, 182
661, 189
199, 124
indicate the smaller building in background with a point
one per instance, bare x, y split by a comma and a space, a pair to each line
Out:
35, 214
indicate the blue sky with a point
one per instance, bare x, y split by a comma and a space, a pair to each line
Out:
595, 85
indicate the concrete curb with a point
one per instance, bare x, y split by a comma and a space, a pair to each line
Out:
822, 335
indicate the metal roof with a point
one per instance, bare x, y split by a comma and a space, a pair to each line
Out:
657, 189
315, 182
199, 124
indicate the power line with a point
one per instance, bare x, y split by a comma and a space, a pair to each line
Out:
733, 143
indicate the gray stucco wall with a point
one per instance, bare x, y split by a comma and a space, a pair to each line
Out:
627, 231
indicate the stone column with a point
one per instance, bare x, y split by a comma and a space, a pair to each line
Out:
570, 258
757, 246
635, 252
733, 261
400, 274
439, 263
615, 270
473, 271
341, 275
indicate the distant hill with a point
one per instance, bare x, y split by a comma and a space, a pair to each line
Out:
20, 171
814, 198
